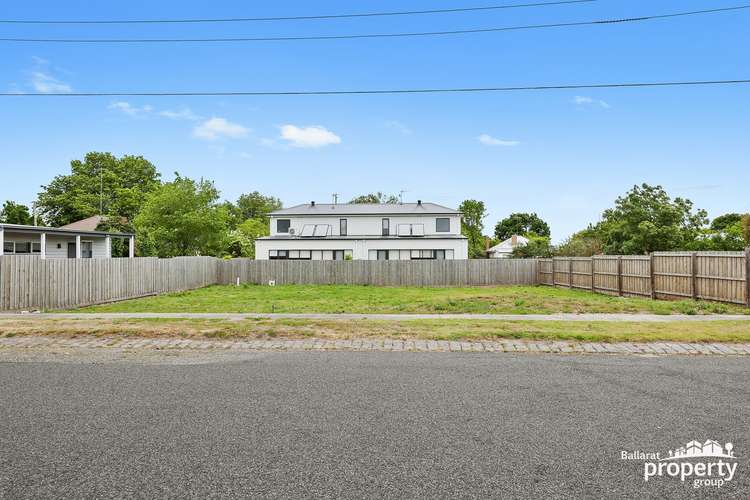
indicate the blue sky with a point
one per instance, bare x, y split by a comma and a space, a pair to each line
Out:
563, 154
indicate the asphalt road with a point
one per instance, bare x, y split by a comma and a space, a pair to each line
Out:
355, 425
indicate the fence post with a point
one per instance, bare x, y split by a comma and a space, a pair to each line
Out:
592, 274
747, 276
651, 273
619, 275
570, 272
693, 273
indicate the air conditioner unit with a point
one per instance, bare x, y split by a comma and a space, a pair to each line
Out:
291, 230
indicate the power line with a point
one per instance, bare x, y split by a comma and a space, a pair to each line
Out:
294, 18
373, 35
382, 91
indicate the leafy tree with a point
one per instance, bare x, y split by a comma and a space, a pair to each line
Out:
724, 221
15, 213
746, 228
538, 246
375, 198
521, 224
731, 238
182, 217
255, 205
474, 213
582, 244
242, 239
124, 182
646, 219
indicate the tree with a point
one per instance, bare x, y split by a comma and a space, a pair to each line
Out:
746, 228
724, 221
521, 224
182, 217
242, 239
582, 244
538, 246
15, 213
472, 225
375, 198
646, 220
124, 183
255, 205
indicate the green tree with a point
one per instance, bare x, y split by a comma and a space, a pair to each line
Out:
724, 221
182, 217
582, 244
472, 226
101, 184
646, 220
746, 228
538, 246
242, 239
521, 224
375, 198
257, 206
15, 213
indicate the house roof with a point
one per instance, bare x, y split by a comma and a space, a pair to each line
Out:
366, 209
88, 224
18, 228
507, 245
364, 237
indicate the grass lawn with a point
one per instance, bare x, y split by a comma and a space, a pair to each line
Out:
369, 300
433, 329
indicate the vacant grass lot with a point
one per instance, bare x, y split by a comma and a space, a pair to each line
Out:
433, 329
369, 300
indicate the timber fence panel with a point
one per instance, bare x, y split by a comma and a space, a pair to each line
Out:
715, 276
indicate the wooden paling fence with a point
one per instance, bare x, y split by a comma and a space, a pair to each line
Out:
716, 276
28, 282
383, 273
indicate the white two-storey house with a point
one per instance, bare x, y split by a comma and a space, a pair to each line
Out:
403, 231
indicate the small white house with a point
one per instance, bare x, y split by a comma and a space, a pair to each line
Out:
79, 240
504, 249
397, 231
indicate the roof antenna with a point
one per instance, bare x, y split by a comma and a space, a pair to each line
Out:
401, 196
335, 198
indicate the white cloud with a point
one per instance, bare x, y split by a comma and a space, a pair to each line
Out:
398, 127
309, 137
47, 84
217, 128
586, 101
246, 156
488, 140
181, 114
129, 109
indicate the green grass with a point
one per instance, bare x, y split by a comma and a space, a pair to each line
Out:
433, 329
369, 300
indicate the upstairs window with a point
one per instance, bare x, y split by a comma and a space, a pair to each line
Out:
442, 225
282, 225
342, 227
386, 227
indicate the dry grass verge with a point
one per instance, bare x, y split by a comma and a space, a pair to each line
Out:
433, 329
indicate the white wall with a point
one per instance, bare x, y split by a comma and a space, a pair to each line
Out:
99, 244
363, 249
368, 225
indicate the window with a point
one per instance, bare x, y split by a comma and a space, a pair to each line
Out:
442, 225
342, 227
422, 254
386, 227
440, 254
23, 247
278, 254
282, 225
87, 249
8, 247
36, 248
338, 254
383, 254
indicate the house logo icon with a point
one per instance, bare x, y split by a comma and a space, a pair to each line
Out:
694, 449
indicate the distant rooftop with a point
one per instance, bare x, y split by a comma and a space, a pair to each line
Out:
366, 209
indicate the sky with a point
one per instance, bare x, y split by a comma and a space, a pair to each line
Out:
565, 155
